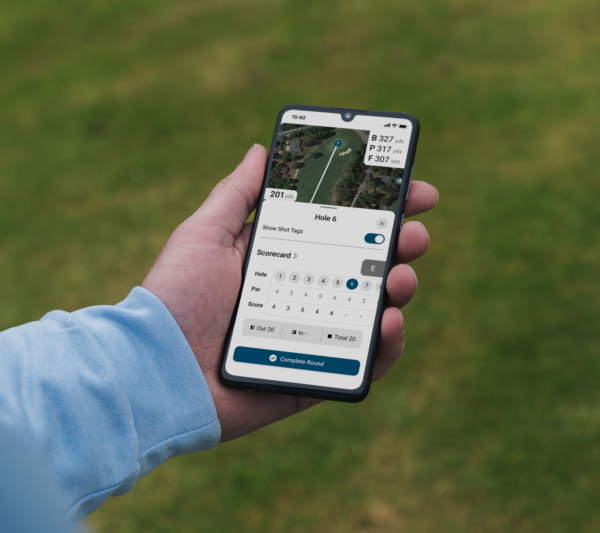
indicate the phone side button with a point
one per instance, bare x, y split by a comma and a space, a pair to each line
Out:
409, 182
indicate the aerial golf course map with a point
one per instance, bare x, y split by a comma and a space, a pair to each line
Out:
325, 166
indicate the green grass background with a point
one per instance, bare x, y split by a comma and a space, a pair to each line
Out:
116, 120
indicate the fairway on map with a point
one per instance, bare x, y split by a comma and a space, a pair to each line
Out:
326, 166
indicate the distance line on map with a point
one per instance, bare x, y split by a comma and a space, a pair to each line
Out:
337, 144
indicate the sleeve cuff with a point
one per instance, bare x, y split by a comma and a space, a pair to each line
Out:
171, 405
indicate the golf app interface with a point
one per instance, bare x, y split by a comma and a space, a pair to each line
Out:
314, 280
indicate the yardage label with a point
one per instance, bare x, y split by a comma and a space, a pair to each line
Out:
387, 147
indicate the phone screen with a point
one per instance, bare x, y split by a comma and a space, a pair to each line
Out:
323, 233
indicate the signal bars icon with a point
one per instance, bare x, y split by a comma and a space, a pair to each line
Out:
387, 125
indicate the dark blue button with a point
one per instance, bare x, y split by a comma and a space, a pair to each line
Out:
316, 363
374, 238
352, 284
338, 143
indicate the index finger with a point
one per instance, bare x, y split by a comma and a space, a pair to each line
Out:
422, 197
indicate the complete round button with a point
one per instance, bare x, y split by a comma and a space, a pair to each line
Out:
382, 223
352, 284
280, 276
323, 280
366, 285
295, 277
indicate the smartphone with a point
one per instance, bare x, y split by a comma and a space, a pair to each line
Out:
325, 233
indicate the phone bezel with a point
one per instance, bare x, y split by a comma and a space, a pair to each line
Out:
326, 393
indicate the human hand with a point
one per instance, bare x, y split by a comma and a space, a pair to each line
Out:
198, 275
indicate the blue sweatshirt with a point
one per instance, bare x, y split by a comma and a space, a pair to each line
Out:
94, 400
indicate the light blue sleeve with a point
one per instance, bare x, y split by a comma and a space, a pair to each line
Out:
104, 395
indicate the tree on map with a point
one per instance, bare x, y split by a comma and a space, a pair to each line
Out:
397, 173
367, 197
346, 195
286, 157
282, 183
356, 180
389, 199
275, 183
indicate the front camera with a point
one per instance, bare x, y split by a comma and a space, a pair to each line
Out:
348, 116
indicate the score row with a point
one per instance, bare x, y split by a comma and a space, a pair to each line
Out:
321, 313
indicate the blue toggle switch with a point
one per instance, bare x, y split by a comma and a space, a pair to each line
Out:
374, 238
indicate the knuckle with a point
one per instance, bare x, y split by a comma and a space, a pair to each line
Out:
223, 183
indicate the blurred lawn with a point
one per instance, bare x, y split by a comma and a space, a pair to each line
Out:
117, 118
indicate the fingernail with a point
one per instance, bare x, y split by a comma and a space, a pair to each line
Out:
424, 226
401, 331
415, 275
249, 152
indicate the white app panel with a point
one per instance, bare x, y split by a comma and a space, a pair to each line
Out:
312, 288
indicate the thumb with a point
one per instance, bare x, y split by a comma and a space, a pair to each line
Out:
233, 199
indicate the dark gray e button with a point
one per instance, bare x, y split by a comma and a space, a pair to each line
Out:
372, 268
